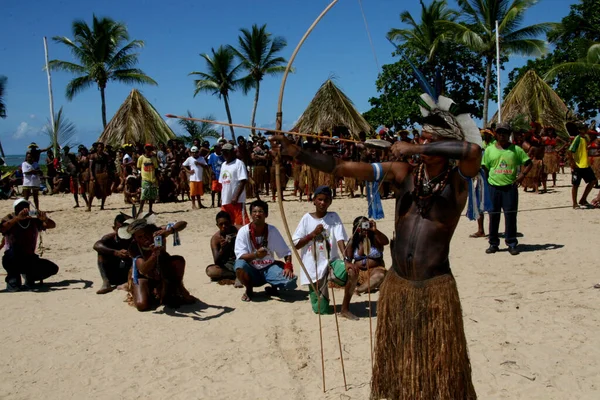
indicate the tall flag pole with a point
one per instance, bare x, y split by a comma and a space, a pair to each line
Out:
54, 132
498, 73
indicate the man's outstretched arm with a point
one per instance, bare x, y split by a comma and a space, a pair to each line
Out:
331, 165
468, 154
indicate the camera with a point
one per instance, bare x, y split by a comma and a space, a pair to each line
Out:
158, 241
365, 225
33, 213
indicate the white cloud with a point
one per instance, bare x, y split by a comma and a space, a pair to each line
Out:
32, 116
25, 130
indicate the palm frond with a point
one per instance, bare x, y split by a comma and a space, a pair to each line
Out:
62, 132
3, 80
132, 76
198, 130
77, 85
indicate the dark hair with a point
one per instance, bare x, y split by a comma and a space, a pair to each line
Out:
261, 204
119, 219
355, 232
223, 214
572, 128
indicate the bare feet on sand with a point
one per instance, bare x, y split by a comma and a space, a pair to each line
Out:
348, 315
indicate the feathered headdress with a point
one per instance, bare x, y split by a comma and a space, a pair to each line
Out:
440, 114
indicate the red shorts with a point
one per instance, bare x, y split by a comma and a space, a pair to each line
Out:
196, 189
76, 187
237, 212
215, 186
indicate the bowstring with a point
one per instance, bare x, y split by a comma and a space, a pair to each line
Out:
379, 70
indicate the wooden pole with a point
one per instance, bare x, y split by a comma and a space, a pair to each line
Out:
367, 250
337, 327
54, 132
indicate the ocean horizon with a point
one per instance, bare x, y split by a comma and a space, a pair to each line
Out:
14, 160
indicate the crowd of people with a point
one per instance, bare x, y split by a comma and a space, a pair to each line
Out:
430, 174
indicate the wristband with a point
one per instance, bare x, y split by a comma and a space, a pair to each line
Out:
288, 266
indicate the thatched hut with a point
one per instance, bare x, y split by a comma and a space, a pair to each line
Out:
136, 121
331, 109
535, 100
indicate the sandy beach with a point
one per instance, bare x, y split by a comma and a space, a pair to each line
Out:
531, 320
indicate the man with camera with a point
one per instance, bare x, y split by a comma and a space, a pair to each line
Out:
222, 245
21, 229
114, 261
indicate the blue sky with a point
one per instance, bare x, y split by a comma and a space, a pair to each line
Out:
176, 32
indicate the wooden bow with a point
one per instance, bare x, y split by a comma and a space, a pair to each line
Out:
278, 125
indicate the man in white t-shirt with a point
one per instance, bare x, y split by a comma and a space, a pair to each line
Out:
255, 247
321, 238
31, 178
233, 177
195, 165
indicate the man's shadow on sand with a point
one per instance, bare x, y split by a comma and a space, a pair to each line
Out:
528, 248
195, 311
60, 285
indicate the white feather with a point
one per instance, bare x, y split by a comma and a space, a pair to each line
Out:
469, 128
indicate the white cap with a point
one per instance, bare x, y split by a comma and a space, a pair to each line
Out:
193, 149
19, 201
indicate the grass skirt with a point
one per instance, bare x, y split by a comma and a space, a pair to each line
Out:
421, 350
551, 163
533, 179
101, 187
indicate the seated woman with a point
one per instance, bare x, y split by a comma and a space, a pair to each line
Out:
156, 276
365, 250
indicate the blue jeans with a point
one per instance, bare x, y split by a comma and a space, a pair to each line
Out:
504, 198
273, 275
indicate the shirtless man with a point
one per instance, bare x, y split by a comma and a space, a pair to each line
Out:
114, 261
430, 198
99, 180
222, 246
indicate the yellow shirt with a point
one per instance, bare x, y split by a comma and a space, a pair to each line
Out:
580, 155
148, 166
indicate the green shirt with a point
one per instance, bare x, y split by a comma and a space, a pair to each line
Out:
503, 164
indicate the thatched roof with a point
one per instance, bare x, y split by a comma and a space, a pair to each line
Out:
534, 99
329, 109
136, 121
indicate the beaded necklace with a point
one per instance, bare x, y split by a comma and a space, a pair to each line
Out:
426, 189
253, 237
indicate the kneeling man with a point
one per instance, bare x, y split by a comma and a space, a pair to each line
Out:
255, 246
114, 261
21, 230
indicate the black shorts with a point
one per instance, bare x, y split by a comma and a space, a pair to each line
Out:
587, 174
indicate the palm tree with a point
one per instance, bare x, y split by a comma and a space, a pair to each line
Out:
102, 57
588, 66
257, 52
221, 78
2, 90
61, 134
198, 130
426, 36
478, 32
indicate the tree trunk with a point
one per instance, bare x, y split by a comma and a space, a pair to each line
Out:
103, 106
229, 118
486, 96
255, 106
